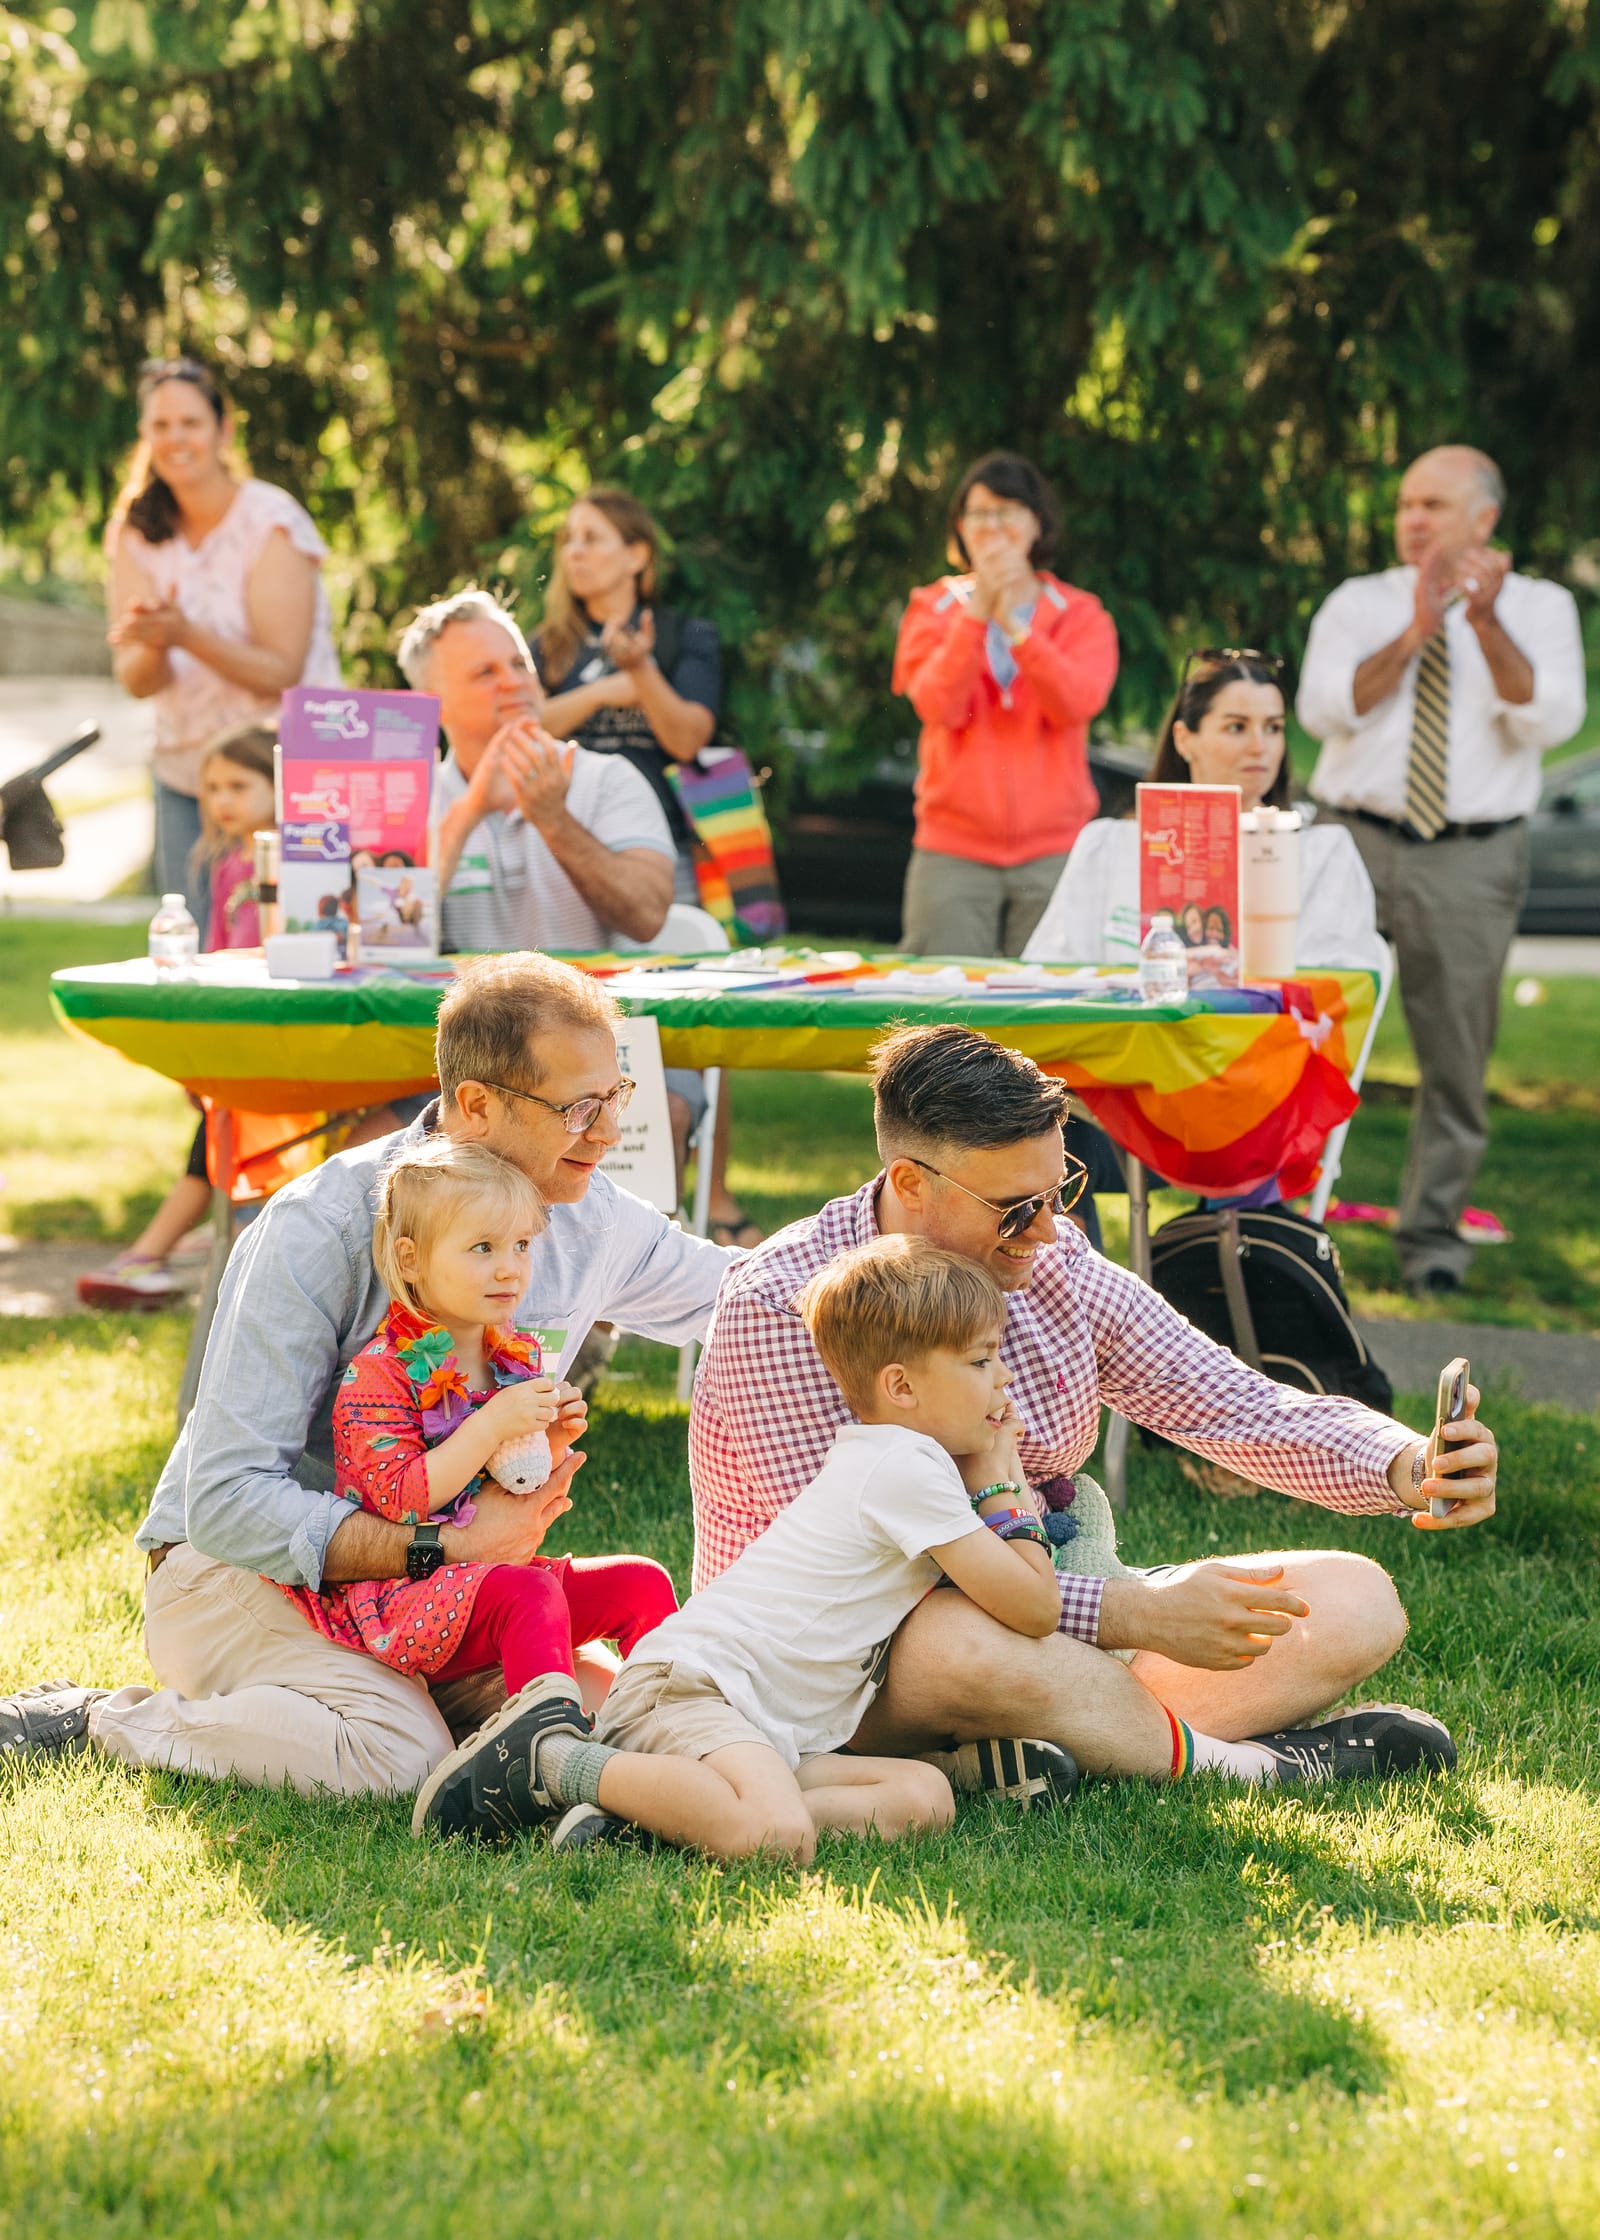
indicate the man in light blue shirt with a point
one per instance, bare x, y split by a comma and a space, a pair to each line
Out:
527, 1063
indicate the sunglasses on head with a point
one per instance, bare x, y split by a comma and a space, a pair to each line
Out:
1018, 1215
1218, 657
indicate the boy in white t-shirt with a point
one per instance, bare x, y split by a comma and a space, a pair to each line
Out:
724, 1728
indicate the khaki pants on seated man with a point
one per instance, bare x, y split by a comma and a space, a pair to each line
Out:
249, 1689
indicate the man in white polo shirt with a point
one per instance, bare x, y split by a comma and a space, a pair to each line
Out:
542, 845
1436, 688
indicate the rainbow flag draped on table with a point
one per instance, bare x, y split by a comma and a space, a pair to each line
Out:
1218, 1093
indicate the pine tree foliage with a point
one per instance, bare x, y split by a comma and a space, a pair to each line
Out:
784, 265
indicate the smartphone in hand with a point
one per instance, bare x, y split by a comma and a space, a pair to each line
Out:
1452, 1406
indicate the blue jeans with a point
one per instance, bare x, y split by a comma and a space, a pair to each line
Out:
177, 832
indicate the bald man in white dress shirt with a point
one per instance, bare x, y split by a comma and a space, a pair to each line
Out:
1436, 689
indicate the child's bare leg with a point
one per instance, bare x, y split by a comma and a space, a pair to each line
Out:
183, 1208
597, 1666
733, 1802
892, 1795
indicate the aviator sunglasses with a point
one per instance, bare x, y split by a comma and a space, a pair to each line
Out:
1017, 1215
1216, 656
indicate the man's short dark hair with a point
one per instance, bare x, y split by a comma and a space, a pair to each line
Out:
937, 1087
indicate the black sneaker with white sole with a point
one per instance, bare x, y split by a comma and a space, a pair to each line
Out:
490, 1787
1035, 1775
1362, 1745
51, 1716
589, 1824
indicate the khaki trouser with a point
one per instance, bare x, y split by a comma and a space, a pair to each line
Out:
1450, 907
955, 908
248, 1688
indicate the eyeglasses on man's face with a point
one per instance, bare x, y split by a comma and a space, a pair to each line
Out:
1018, 1215
580, 1115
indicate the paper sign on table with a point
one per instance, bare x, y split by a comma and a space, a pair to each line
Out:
396, 909
355, 782
1189, 866
643, 1161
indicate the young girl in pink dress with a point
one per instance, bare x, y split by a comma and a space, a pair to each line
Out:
418, 1421
236, 801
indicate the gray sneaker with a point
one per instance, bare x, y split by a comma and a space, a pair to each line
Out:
51, 1716
490, 1787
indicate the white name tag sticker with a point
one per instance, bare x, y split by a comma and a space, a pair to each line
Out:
551, 1339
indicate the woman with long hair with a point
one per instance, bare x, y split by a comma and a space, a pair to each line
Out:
624, 675
215, 595
1005, 664
1225, 727
627, 676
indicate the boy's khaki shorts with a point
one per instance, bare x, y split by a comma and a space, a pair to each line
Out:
657, 1708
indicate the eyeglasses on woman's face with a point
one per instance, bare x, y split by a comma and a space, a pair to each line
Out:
1009, 515
580, 1115
1018, 1215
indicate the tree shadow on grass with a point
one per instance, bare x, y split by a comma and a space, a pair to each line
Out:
1143, 1917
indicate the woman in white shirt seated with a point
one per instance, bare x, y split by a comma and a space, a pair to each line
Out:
1225, 728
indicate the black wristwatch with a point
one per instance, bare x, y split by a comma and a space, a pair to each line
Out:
425, 1553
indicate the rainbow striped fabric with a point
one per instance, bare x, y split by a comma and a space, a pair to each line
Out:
737, 877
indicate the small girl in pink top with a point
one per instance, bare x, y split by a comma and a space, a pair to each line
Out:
418, 1424
236, 800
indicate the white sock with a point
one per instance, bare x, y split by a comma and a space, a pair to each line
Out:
1193, 1752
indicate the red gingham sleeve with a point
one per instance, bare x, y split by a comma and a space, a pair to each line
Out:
1158, 1370
764, 1416
378, 1450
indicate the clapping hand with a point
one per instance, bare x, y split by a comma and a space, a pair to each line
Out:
148, 622
538, 768
1480, 572
629, 646
1436, 577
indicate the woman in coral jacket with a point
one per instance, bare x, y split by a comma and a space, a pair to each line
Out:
1005, 666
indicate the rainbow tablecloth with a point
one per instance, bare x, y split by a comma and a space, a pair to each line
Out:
1217, 1093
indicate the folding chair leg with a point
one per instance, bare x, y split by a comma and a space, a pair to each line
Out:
206, 1308
1117, 1427
700, 1219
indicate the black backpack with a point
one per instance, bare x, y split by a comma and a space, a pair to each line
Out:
1294, 1290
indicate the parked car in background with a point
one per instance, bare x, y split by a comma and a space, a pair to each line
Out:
1564, 882
842, 856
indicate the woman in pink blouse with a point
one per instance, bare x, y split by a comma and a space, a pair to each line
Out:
216, 596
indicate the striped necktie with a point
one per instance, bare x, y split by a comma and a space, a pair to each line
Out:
1427, 770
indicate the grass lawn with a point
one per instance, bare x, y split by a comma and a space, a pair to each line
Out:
1162, 2013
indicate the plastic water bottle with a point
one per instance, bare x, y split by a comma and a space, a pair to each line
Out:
174, 938
1163, 971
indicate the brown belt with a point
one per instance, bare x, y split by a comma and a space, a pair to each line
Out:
158, 1556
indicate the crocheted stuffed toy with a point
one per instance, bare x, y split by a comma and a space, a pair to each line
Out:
1083, 1534
522, 1464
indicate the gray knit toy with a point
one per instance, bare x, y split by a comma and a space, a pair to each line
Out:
1083, 1536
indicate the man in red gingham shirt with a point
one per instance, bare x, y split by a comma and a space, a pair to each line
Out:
966, 1129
